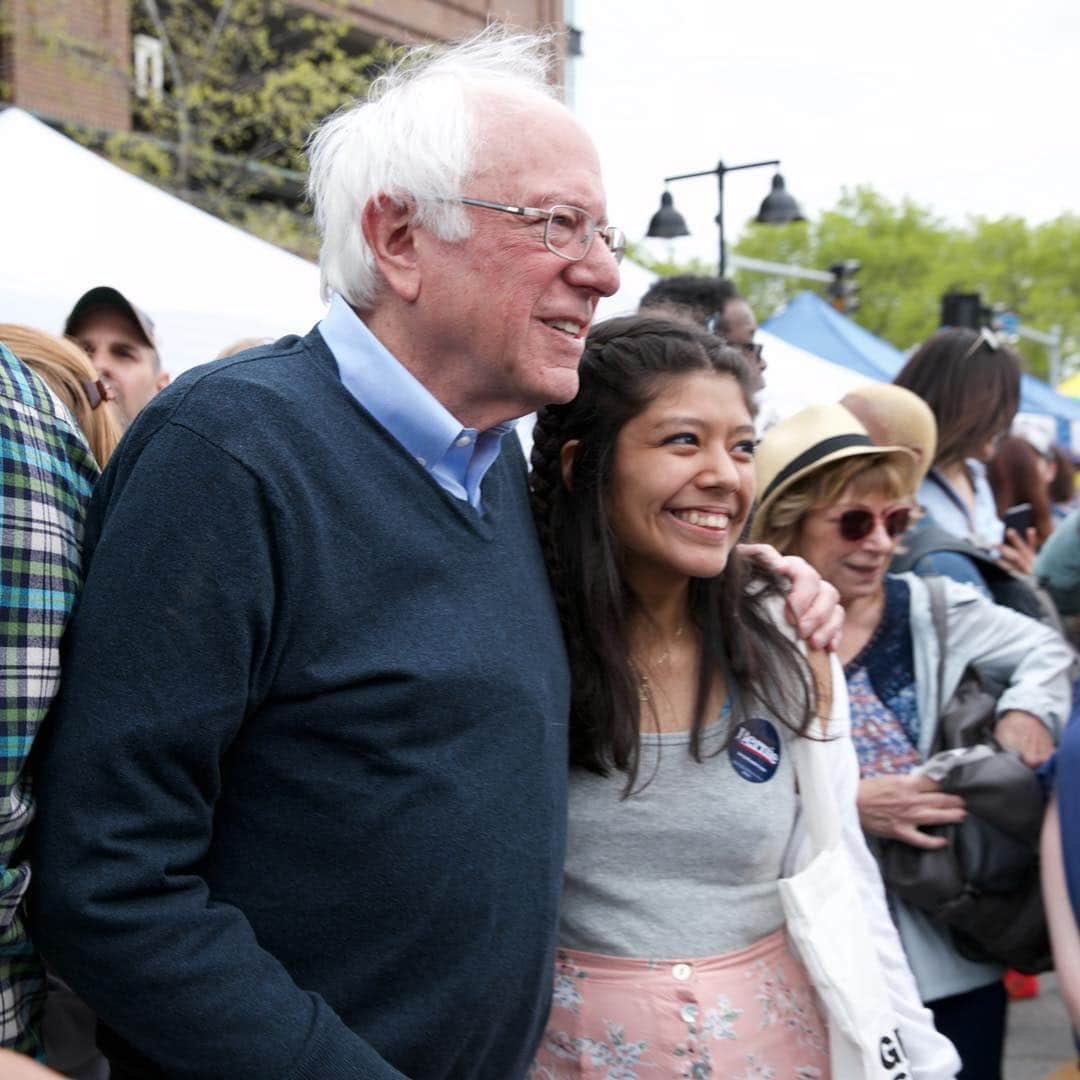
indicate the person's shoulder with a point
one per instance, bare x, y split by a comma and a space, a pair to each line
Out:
954, 593
25, 393
260, 409
42, 427
267, 389
1065, 535
288, 366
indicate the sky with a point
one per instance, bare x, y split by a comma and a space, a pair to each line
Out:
965, 108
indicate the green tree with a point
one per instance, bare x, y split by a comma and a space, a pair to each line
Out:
641, 254
1052, 288
902, 250
911, 257
245, 83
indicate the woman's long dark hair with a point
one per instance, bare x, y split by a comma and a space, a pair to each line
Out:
1062, 489
1015, 478
972, 388
626, 363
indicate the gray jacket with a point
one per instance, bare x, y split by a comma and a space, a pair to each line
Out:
1034, 664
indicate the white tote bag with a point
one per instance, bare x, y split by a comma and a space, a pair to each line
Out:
829, 932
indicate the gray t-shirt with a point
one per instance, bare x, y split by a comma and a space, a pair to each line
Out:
686, 867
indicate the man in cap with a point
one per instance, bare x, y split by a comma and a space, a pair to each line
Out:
119, 339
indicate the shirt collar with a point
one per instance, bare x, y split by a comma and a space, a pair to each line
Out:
457, 456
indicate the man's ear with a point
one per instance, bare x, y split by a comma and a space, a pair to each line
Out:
566, 462
390, 233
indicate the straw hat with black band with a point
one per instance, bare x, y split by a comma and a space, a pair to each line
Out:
810, 439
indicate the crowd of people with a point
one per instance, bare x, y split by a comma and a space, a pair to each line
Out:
363, 747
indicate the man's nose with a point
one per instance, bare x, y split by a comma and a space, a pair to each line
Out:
599, 270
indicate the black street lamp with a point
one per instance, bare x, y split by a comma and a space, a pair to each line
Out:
778, 207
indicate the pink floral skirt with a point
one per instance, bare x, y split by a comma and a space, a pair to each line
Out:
746, 1014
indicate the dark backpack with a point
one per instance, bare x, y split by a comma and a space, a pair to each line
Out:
1007, 588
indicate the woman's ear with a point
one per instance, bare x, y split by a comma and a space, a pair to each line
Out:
566, 461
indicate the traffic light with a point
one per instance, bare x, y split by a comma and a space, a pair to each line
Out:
964, 309
843, 290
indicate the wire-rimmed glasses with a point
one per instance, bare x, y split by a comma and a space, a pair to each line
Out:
752, 350
568, 230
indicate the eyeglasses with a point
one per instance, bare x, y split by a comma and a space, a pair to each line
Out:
568, 230
715, 325
858, 524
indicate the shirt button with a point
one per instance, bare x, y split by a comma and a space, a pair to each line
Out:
689, 1013
682, 972
463, 440
423, 461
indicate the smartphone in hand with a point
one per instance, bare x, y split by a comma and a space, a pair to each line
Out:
1020, 518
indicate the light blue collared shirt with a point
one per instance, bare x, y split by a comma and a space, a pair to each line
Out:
457, 457
981, 525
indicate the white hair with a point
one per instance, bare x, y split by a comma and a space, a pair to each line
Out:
413, 140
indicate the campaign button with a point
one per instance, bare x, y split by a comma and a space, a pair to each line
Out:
754, 751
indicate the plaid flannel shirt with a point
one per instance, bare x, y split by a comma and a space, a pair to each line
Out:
46, 473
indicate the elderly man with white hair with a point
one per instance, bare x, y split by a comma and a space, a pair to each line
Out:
303, 806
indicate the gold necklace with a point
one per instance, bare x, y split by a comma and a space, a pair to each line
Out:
645, 693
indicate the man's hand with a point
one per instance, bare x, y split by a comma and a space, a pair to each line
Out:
813, 605
1018, 552
898, 806
1026, 734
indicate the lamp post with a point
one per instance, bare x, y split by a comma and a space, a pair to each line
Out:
778, 207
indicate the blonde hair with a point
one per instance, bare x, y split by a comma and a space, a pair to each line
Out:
866, 474
65, 367
242, 344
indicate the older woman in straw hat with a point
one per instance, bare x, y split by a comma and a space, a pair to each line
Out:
829, 494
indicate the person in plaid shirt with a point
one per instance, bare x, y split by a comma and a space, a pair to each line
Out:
46, 474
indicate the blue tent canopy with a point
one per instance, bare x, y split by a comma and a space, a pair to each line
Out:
810, 323
813, 325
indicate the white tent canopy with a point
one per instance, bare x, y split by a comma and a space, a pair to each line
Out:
71, 220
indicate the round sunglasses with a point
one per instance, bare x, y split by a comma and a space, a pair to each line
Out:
859, 524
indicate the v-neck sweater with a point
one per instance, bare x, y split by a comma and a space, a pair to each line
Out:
304, 797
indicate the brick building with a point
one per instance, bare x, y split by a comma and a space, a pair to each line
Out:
66, 60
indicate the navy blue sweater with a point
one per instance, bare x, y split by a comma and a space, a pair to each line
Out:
302, 796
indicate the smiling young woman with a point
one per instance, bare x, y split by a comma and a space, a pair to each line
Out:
688, 696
